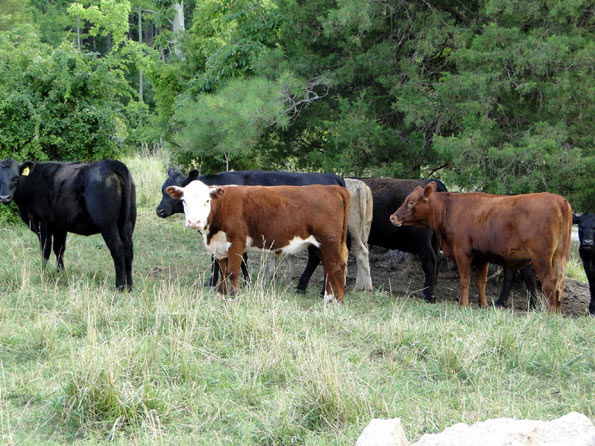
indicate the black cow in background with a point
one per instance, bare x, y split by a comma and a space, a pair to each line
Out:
586, 227
169, 206
388, 195
527, 273
84, 198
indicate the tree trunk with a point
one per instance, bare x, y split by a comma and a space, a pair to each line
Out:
178, 28
78, 32
140, 41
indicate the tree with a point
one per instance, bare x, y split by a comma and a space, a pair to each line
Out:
57, 103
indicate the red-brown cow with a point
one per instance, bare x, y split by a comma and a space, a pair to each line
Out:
510, 230
281, 219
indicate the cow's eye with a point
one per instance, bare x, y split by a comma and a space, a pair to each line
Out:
410, 204
15, 179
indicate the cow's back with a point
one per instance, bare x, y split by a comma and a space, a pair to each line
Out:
271, 178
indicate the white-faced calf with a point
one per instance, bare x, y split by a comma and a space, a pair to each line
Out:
281, 219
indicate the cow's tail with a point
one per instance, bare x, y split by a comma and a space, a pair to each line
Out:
345, 199
563, 249
127, 218
367, 204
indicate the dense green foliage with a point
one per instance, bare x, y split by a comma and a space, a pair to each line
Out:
489, 95
57, 103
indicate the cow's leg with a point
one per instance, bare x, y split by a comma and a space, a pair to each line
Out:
334, 259
222, 264
363, 280
214, 272
589, 265
111, 236
429, 263
45, 242
60, 247
104, 206
545, 272
234, 264
313, 262
464, 265
481, 278
244, 266
528, 277
128, 247
508, 274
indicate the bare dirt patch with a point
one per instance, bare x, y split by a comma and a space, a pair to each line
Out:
400, 274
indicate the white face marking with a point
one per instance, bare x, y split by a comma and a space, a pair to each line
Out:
197, 204
219, 246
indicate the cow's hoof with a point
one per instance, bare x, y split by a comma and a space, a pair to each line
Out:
499, 304
299, 291
429, 299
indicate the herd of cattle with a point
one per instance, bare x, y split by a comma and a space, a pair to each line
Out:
285, 212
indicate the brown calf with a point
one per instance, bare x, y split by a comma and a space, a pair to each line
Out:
281, 219
477, 228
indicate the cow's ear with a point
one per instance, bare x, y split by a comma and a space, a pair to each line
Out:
193, 175
576, 219
429, 189
26, 168
217, 192
175, 192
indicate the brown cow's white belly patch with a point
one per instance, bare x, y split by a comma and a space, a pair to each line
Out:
219, 246
297, 244
294, 246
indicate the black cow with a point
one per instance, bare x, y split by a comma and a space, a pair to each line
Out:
586, 226
388, 194
169, 206
56, 198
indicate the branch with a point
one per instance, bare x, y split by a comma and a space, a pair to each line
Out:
295, 107
433, 171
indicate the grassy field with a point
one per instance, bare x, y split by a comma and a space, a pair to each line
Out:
173, 364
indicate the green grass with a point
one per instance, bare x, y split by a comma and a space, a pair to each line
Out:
174, 364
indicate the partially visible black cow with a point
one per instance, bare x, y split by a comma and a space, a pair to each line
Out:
55, 198
527, 273
169, 206
586, 227
388, 194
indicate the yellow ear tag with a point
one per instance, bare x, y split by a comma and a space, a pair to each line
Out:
25, 171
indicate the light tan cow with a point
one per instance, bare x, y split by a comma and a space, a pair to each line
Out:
360, 221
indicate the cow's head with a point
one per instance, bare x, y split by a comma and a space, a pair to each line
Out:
586, 225
11, 174
169, 205
196, 198
415, 210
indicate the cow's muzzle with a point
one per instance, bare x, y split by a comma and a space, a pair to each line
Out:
395, 220
193, 224
5, 199
162, 213
587, 245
